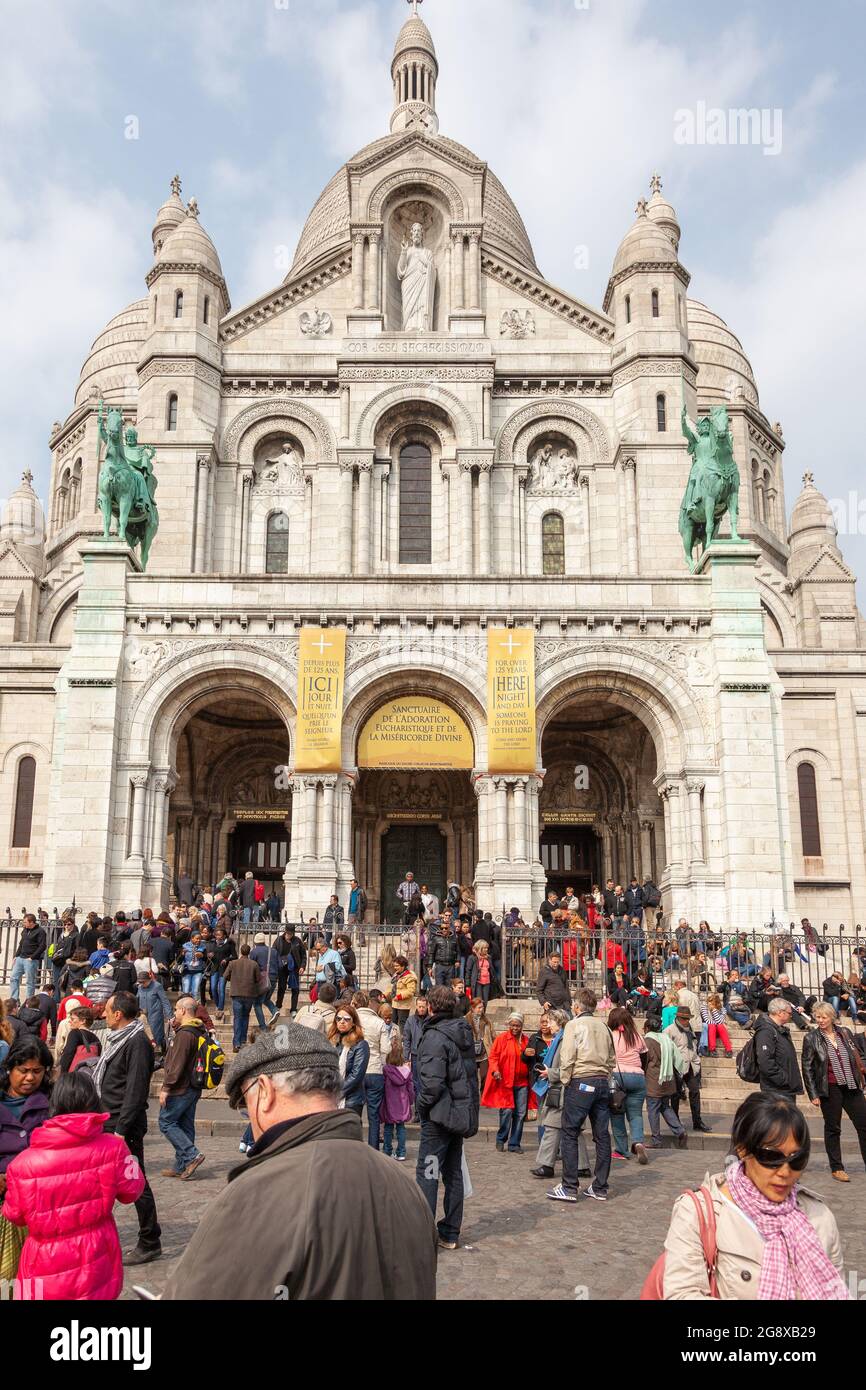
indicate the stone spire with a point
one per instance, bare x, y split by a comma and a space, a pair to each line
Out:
170, 215
662, 212
414, 73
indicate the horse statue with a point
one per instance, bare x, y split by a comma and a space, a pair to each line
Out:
127, 486
714, 481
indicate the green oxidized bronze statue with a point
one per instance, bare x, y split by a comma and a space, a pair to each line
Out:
127, 486
714, 482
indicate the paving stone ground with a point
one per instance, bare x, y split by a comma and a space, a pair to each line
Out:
515, 1239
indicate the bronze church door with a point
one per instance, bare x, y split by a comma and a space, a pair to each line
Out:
420, 848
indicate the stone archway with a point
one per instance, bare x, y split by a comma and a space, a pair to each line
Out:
203, 739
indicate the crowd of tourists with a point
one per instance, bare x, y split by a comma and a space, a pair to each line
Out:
136, 997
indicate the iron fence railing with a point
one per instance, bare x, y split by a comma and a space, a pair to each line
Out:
588, 957
703, 962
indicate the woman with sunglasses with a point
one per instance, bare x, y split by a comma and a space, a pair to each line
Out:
833, 1073
776, 1240
347, 1035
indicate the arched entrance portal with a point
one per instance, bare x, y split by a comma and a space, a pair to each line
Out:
600, 815
231, 808
414, 807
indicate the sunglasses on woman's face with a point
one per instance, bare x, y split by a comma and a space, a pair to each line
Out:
774, 1158
344, 1018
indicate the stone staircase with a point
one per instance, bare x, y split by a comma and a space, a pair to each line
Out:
721, 1094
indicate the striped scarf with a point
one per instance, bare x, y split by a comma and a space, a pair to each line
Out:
795, 1263
114, 1041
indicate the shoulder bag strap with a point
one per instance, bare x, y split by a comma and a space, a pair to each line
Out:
707, 1225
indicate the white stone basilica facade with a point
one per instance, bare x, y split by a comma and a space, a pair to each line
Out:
415, 437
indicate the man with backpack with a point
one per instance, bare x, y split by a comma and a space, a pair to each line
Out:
180, 1093
448, 1105
774, 1053
246, 983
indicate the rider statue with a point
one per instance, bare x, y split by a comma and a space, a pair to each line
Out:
127, 485
714, 481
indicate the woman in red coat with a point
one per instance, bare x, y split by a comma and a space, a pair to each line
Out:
63, 1188
507, 1085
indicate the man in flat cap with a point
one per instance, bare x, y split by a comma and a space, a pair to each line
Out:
313, 1212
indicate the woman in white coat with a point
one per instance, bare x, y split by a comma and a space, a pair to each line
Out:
776, 1240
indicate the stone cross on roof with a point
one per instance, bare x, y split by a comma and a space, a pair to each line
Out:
656, 184
27, 477
175, 185
415, 4
808, 479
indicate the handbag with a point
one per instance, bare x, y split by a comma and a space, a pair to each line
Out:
616, 1099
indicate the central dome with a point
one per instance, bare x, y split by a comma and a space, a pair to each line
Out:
327, 227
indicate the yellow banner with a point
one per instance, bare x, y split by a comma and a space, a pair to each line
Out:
321, 668
415, 731
511, 699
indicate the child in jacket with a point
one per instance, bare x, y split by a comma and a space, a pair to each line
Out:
63, 1188
399, 1100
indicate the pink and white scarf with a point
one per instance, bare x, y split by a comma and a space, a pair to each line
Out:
795, 1263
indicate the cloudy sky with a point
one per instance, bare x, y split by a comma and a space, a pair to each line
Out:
573, 102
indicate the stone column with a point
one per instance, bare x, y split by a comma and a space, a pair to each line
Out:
247, 484
502, 844
466, 546
311, 838
201, 510
297, 831
309, 514
328, 799
373, 271
520, 827
694, 789
163, 786
475, 270
677, 854
365, 485
139, 807
484, 518
630, 484
519, 523
345, 411
646, 846
666, 807
457, 270
358, 270
347, 473
586, 519
487, 411
347, 790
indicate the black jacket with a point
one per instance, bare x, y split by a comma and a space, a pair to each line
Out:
448, 1076
292, 947
124, 976
442, 949
795, 997
758, 996
552, 987
31, 944
65, 946
126, 1086
776, 1058
547, 910
834, 989
815, 1053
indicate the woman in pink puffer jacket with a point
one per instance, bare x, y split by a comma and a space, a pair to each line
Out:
63, 1188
